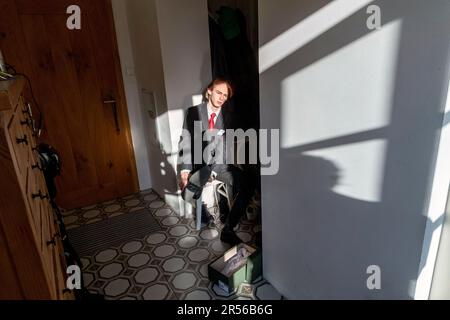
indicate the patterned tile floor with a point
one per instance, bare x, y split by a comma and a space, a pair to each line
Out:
169, 264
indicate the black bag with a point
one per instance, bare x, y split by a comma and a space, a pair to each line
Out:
50, 165
197, 180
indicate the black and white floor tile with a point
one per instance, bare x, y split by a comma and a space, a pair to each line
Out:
168, 264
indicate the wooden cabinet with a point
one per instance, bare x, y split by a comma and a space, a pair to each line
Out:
32, 262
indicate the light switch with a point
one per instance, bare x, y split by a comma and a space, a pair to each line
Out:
130, 71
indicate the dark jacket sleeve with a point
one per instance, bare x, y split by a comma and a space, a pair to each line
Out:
185, 144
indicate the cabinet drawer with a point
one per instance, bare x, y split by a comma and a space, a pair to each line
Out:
48, 246
58, 277
25, 122
35, 194
34, 165
20, 142
34, 212
34, 159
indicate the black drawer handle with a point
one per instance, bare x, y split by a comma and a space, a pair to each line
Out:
51, 242
22, 140
36, 166
26, 122
39, 195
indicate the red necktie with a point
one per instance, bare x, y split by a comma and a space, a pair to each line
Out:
211, 121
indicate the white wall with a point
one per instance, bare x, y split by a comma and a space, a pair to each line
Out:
359, 113
434, 278
440, 290
132, 94
144, 35
185, 49
184, 34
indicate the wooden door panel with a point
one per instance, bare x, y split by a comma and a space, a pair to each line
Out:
44, 7
45, 88
11, 37
96, 125
71, 102
73, 72
107, 60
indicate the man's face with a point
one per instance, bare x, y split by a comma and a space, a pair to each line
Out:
218, 95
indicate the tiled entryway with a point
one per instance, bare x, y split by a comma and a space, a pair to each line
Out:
168, 264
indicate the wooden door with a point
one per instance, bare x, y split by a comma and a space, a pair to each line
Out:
77, 82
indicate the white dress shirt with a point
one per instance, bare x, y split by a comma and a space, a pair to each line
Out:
210, 112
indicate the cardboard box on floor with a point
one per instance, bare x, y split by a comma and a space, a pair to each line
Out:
248, 272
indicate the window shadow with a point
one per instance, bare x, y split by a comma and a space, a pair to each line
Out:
328, 240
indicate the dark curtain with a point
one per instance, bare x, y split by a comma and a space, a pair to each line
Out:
232, 57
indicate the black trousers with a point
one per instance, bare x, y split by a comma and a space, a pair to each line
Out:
239, 187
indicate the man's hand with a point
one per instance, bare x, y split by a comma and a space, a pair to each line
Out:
212, 177
184, 180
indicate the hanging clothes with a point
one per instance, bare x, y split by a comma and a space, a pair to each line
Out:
233, 58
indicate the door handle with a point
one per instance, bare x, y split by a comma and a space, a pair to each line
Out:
113, 104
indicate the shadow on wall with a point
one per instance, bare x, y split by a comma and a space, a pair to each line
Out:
336, 236
168, 159
205, 79
320, 243
162, 173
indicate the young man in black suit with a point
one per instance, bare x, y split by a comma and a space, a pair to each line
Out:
211, 116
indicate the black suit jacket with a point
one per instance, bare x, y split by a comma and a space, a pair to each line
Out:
186, 144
